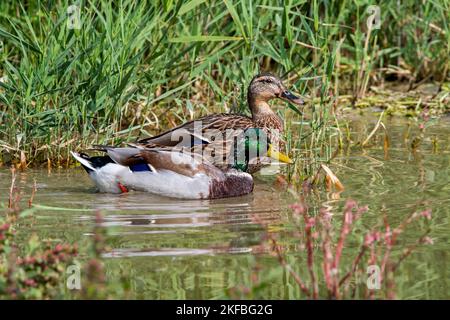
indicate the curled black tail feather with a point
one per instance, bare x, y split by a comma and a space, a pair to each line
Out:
96, 162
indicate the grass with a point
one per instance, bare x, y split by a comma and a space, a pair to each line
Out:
135, 68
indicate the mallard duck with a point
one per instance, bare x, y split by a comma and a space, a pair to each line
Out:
173, 172
262, 88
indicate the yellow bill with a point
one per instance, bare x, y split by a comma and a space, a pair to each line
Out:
274, 154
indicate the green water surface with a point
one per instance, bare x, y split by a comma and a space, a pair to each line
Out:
188, 249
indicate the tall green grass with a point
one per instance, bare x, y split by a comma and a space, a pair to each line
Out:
137, 67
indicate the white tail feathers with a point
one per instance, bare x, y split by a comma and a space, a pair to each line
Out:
83, 161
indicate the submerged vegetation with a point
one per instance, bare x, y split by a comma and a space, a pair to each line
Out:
127, 69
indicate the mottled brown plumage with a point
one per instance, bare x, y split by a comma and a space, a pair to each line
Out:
262, 88
188, 161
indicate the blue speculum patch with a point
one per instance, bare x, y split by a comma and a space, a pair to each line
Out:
140, 167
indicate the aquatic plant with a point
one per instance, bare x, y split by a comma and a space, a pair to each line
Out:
105, 72
36, 271
95, 283
31, 268
326, 271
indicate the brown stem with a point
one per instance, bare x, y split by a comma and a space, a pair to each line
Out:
310, 249
355, 263
11, 201
283, 262
33, 192
409, 250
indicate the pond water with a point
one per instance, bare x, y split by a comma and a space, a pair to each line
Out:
198, 249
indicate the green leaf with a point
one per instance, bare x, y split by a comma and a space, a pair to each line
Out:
42, 207
235, 16
185, 8
18, 41
204, 38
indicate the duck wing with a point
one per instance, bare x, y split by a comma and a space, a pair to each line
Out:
198, 131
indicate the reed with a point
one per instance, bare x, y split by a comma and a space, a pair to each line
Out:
134, 68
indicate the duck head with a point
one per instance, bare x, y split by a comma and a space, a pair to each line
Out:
265, 87
254, 144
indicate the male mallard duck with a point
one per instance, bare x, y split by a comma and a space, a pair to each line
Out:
171, 172
262, 88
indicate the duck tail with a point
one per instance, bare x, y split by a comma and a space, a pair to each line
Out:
84, 160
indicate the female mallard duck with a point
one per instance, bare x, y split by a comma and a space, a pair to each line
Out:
171, 172
263, 88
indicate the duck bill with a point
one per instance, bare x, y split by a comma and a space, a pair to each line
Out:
274, 154
289, 96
